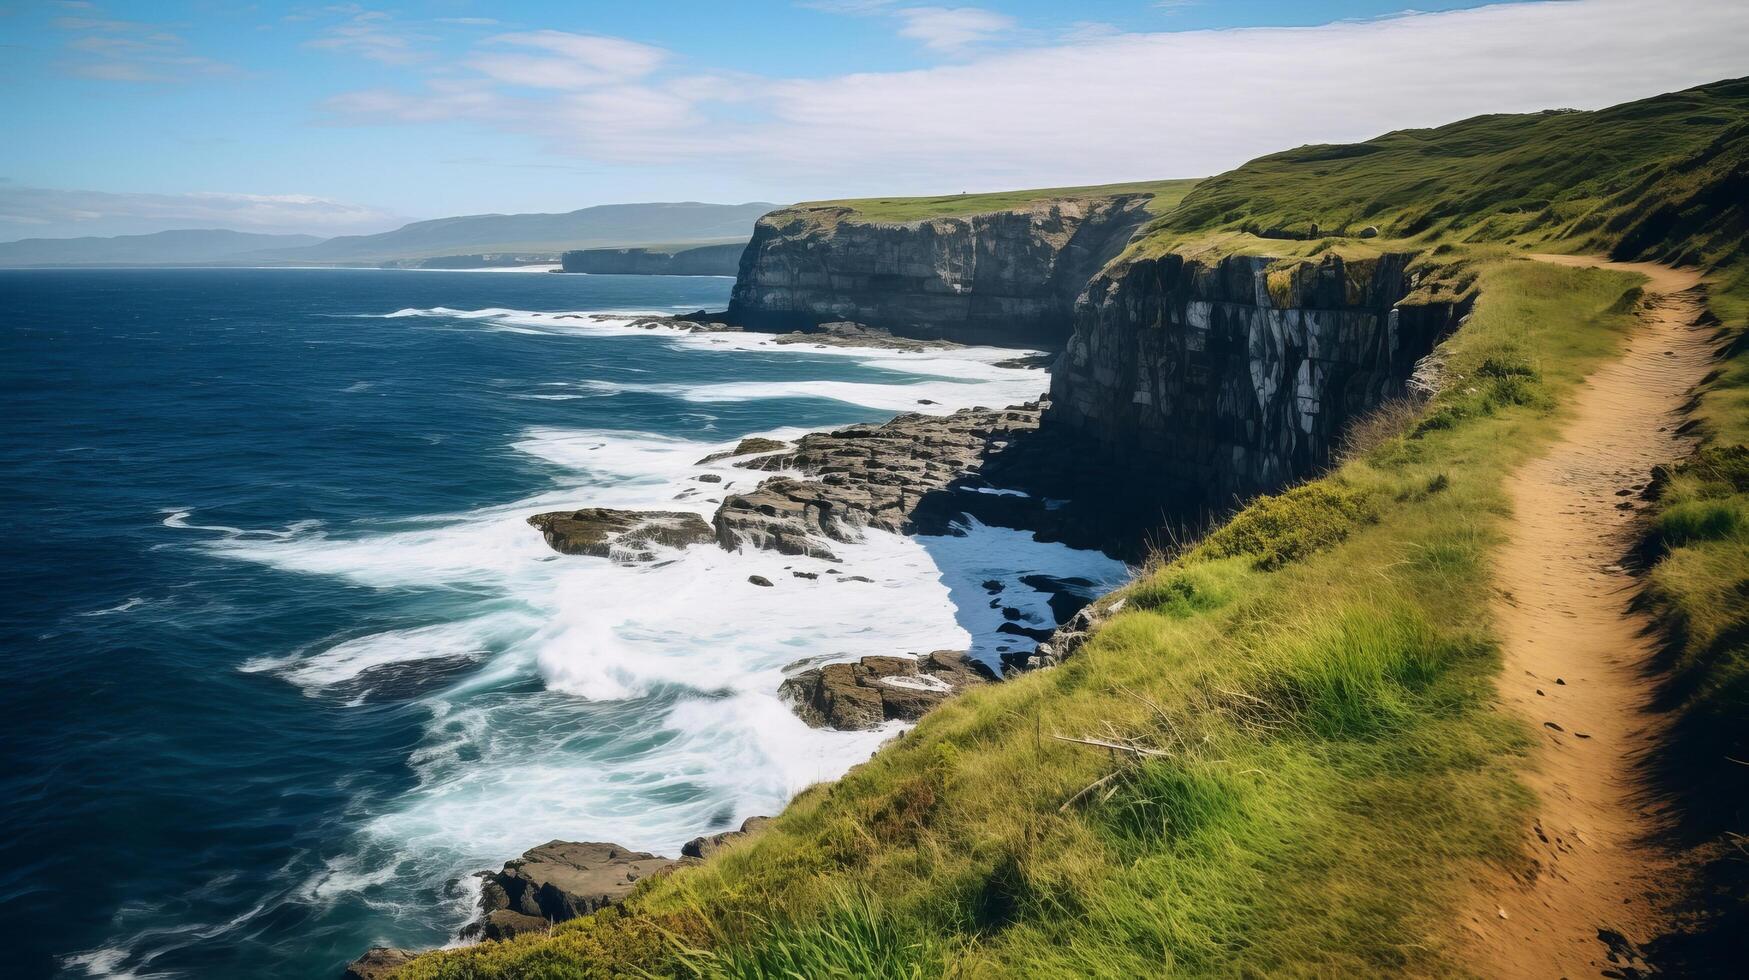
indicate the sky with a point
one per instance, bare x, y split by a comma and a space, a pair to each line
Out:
122, 117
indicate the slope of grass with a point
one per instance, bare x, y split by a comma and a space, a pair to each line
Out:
1664, 178
1313, 758
1166, 195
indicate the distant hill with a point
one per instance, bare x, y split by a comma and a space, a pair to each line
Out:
160, 248
607, 225
661, 226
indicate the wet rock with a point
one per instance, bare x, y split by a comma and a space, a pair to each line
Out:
845, 333
873, 690
1065, 641
378, 963
705, 846
889, 476
557, 881
623, 535
747, 447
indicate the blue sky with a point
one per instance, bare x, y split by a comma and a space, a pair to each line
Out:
125, 117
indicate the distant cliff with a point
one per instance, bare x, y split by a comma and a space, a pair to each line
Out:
1210, 381
705, 260
1007, 277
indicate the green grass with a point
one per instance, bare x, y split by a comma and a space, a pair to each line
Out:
1166, 195
1662, 178
1315, 678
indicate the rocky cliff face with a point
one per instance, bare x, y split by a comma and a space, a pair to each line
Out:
704, 260
1206, 381
1008, 278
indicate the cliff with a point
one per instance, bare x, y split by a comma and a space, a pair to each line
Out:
1207, 380
705, 260
1007, 277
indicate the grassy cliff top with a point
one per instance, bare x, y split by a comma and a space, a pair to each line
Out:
1664, 177
1167, 194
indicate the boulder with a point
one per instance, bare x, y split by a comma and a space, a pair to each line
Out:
747, 447
875, 689
1370, 231
556, 881
704, 847
378, 963
623, 535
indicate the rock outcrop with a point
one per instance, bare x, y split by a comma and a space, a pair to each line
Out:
702, 260
873, 690
700, 848
1209, 381
378, 963
556, 881
623, 535
1007, 278
883, 476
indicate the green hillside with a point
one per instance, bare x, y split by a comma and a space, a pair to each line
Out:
1310, 761
1166, 195
1665, 178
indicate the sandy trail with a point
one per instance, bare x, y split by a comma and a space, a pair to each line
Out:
1576, 659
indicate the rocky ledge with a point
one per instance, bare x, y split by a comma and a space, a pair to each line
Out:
623, 535
888, 476
556, 881
874, 690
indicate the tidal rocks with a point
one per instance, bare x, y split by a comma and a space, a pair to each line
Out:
1065, 641
873, 690
556, 881
623, 535
378, 963
1205, 381
846, 333
882, 476
703, 847
747, 447
1007, 277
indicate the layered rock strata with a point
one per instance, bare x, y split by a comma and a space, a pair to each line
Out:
1204, 382
896, 476
875, 690
1007, 278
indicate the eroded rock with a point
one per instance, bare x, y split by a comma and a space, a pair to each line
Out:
378, 963
623, 535
876, 689
705, 846
557, 881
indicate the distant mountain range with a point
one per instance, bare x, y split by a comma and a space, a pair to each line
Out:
162, 248
603, 226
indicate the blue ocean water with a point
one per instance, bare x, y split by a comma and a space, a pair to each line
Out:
283, 661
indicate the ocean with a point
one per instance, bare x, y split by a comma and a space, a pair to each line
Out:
283, 662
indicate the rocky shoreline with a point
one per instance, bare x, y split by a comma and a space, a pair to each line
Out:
914, 474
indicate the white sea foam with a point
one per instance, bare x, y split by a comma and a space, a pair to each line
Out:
656, 716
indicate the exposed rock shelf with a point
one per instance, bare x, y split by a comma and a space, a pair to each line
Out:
874, 690
895, 476
623, 535
557, 881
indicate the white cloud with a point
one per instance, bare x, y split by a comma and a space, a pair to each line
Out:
1097, 106
372, 34
52, 212
129, 51
952, 29
577, 61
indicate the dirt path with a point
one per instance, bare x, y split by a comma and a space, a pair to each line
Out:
1575, 659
